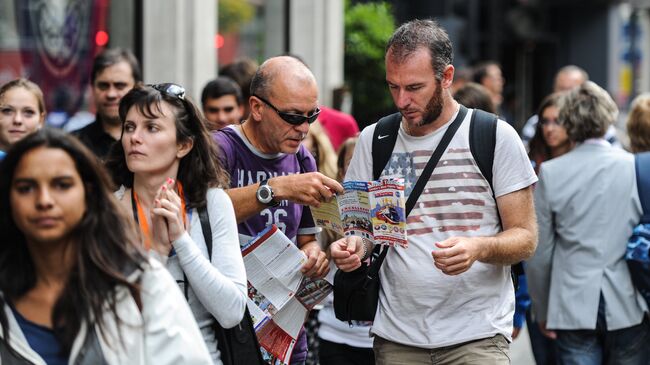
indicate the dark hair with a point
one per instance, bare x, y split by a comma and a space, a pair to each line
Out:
241, 71
480, 71
474, 95
111, 56
221, 86
409, 37
200, 169
538, 149
104, 242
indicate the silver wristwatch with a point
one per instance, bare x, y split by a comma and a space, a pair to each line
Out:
265, 195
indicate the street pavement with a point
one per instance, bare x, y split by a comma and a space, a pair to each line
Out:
520, 350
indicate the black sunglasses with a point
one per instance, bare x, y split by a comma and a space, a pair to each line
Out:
170, 89
291, 118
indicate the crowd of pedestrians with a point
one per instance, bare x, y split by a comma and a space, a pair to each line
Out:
123, 238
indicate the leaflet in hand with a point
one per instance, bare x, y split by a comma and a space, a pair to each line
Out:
280, 297
371, 209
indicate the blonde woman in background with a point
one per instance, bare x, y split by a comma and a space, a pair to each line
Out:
22, 111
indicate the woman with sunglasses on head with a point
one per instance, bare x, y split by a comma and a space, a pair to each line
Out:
170, 176
22, 111
75, 287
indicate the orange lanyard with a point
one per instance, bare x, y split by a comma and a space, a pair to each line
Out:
141, 219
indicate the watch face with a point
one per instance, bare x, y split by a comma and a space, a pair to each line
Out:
264, 194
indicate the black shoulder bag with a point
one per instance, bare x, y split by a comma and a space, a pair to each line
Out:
356, 293
237, 345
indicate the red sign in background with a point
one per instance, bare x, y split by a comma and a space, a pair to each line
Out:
57, 43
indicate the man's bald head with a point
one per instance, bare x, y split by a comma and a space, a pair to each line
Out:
282, 72
569, 77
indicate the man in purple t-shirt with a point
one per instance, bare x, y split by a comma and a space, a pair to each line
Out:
272, 174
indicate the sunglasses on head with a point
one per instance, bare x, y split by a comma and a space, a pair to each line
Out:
171, 89
292, 118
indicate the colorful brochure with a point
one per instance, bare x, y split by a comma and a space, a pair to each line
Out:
370, 209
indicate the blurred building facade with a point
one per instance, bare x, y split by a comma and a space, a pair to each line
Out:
532, 39
53, 42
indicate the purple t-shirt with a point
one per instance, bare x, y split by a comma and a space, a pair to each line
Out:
247, 166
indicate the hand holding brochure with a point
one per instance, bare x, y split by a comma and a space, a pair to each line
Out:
370, 209
280, 297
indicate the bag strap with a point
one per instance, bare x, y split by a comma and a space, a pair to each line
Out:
642, 168
206, 228
383, 141
483, 140
422, 180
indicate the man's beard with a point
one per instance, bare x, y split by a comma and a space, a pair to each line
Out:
434, 107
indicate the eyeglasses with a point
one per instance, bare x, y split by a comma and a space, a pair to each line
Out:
292, 118
171, 89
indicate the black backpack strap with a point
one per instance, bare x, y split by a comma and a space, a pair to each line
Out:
483, 140
642, 168
206, 228
383, 142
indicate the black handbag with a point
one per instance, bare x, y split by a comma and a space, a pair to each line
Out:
356, 293
237, 345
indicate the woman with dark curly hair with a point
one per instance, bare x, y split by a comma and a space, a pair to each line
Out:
75, 287
171, 178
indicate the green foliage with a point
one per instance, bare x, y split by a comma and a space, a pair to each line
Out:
234, 13
368, 26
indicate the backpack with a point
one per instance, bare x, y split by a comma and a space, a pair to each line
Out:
482, 141
638, 245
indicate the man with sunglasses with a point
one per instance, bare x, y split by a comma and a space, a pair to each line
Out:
222, 103
272, 174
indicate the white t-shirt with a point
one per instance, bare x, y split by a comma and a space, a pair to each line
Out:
418, 304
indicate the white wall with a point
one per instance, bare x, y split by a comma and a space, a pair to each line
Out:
179, 43
317, 37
